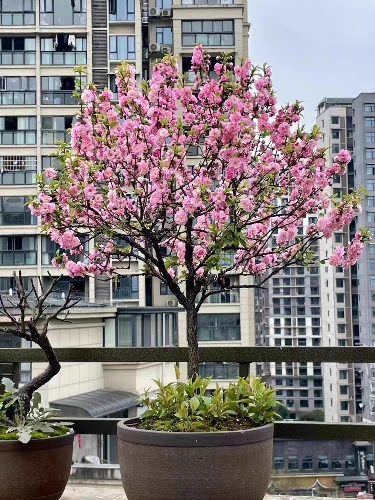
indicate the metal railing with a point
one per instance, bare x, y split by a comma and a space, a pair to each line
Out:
17, 19
17, 97
58, 98
242, 355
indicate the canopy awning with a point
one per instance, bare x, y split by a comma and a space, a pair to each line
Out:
99, 403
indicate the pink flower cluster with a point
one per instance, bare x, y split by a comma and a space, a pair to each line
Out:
202, 173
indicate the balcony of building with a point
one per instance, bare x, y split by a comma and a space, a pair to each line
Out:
63, 49
332, 460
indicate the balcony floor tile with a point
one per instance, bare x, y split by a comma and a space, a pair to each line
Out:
114, 492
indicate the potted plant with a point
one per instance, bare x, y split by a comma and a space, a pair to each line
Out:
198, 184
35, 452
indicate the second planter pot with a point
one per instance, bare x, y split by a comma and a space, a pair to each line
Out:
195, 466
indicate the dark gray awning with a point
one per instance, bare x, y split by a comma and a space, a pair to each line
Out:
99, 403
351, 479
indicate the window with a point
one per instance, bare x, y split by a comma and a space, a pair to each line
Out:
122, 47
63, 50
338, 237
372, 281
304, 403
340, 297
209, 33
335, 133
17, 12
344, 405
322, 462
125, 11
277, 342
370, 169
50, 248
370, 153
17, 130
370, 137
54, 129
164, 4
335, 148
335, 120
18, 250
58, 90
17, 90
371, 217
344, 389
339, 282
349, 462
279, 463
343, 374
372, 264
13, 211
17, 51
369, 122
370, 108
164, 289
63, 12
341, 343
293, 463
290, 403
145, 330
219, 327
219, 370
336, 463
371, 249
126, 288
307, 463
340, 312
164, 36
17, 170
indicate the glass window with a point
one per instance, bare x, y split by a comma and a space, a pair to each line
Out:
63, 12
17, 51
370, 108
344, 405
293, 463
13, 211
227, 371
322, 462
125, 11
343, 374
126, 287
370, 137
370, 153
370, 169
210, 33
335, 120
335, 133
279, 463
18, 250
219, 327
122, 47
164, 36
369, 122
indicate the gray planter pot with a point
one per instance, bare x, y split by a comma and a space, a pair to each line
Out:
38, 470
195, 466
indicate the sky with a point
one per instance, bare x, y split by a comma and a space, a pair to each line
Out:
317, 49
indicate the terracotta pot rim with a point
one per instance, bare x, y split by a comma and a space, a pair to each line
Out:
192, 439
37, 444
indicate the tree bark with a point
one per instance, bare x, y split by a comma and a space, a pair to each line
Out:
192, 338
26, 392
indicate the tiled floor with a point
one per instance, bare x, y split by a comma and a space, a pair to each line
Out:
99, 492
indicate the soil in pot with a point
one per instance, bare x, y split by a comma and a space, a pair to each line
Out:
38, 470
195, 466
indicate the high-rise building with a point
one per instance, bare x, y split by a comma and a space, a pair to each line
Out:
40, 44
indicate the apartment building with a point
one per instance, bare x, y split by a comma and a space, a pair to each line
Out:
40, 44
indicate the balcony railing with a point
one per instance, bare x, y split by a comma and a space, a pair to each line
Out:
18, 258
17, 19
59, 98
51, 137
18, 137
21, 58
242, 355
125, 294
17, 98
51, 58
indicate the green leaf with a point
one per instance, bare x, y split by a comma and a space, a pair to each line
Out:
194, 403
24, 435
8, 384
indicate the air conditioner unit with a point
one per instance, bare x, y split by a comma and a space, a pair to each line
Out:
154, 47
154, 12
171, 303
165, 49
166, 13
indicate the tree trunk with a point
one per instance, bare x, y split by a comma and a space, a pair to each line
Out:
192, 338
26, 392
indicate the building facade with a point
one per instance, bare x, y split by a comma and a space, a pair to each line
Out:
41, 43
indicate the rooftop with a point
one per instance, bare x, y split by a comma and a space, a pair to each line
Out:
114, 492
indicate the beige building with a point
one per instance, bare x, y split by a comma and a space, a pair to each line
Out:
41, 42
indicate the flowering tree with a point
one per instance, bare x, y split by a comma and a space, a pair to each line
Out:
126, 183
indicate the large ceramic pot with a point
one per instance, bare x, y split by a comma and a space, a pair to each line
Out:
38, 470
195, 466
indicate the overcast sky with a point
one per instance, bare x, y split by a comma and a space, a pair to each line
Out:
323, 48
